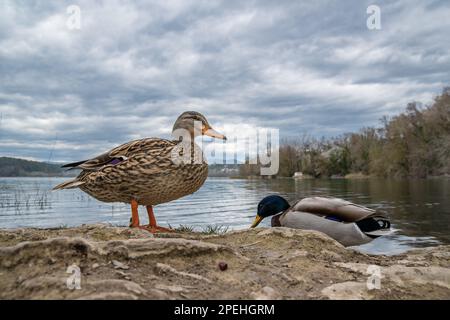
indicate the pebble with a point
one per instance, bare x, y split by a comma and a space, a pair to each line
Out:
123, 275
120, 265
223, 266
266, 293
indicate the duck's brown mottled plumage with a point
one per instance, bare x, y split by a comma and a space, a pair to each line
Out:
144, 171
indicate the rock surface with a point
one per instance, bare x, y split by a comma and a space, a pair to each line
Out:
106, 262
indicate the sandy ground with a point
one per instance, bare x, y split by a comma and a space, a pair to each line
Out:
276, 263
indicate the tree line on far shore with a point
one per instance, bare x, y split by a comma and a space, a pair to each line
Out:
415, 143
14, 167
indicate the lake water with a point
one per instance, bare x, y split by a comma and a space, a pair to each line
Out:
419, 209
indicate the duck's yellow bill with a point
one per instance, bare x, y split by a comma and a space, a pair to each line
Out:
258, 219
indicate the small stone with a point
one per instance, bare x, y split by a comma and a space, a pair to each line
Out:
175, 289
266, 293
119, 265
300, 253
123, 275
223, 266
95, 266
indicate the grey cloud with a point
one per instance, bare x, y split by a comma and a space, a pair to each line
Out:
300, 66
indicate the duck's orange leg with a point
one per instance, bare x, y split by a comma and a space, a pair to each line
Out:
134, 214
152, 226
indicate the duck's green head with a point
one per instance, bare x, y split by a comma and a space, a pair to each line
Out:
270, 206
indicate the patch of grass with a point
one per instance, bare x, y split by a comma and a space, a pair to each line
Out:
209, 229
214, 229
20, 200
183, 229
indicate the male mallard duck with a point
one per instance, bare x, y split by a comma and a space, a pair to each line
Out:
346, 222
148, 171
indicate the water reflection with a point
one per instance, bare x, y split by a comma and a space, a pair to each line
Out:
419, 209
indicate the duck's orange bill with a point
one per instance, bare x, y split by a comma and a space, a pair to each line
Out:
213, 133
258, 219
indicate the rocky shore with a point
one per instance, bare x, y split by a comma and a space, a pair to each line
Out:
106, 262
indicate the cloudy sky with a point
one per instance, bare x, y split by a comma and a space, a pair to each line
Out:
303, 67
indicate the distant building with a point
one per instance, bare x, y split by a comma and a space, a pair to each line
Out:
223, 170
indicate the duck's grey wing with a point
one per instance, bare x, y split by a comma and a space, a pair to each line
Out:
339, 208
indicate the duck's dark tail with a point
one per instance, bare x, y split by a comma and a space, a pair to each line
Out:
375, 226
73, 165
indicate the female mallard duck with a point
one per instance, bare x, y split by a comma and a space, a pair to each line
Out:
148, 171
346, 222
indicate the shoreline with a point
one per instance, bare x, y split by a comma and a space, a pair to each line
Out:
263, 263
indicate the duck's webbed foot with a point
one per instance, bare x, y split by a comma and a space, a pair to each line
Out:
152, 226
